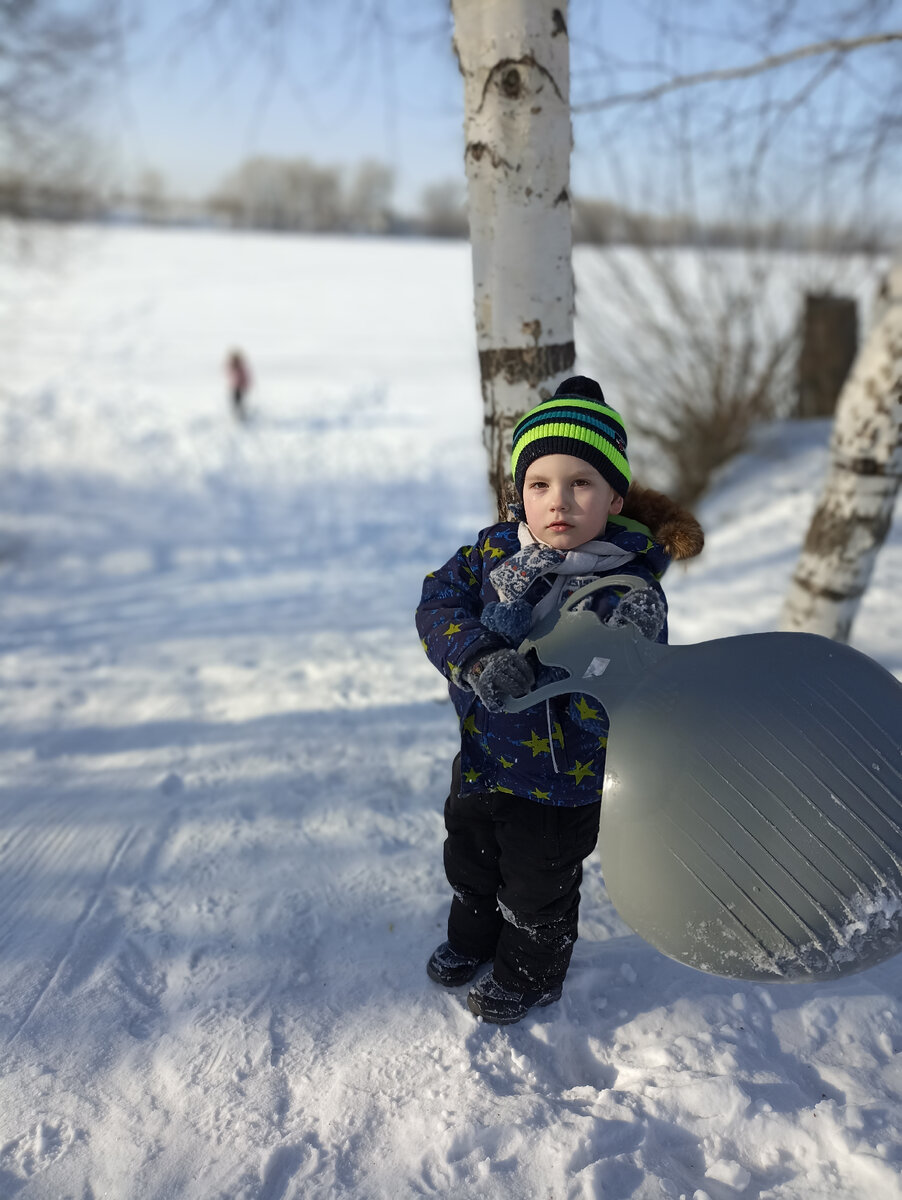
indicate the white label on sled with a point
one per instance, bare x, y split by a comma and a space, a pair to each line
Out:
597, 666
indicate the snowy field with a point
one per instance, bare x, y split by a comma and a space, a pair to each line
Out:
223, 758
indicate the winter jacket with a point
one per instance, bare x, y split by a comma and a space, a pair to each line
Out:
238, 373
554, 752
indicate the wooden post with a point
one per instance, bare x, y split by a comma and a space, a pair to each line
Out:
829, 346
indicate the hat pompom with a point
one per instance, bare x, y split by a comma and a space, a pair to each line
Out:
581, 385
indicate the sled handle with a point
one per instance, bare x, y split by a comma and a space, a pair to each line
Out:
547, 623
633, 651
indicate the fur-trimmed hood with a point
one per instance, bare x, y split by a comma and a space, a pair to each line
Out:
673, 527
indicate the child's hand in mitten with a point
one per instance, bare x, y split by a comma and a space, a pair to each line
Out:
500, 674
644, 610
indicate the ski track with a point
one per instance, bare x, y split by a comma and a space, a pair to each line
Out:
222, 763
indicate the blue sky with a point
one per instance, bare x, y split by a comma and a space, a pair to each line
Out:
349, 79
342, 89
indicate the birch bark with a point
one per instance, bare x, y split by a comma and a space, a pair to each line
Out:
853, 517
514, 56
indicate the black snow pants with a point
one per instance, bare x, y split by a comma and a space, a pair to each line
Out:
516, 867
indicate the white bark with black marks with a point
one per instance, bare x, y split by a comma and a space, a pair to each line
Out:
853, 517
514, 56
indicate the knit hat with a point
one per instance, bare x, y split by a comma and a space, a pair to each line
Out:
575, 420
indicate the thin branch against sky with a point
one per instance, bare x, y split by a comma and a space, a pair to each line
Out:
745, 86
770, 63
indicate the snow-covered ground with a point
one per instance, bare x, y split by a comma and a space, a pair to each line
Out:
223, 758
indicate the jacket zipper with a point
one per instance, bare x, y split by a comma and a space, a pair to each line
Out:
551, 736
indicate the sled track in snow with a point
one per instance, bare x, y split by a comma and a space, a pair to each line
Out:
75, 933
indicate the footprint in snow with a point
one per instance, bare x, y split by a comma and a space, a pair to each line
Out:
34, 1151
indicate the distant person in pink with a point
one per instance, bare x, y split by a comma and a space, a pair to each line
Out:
239, 377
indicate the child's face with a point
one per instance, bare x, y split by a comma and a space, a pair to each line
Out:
567, 501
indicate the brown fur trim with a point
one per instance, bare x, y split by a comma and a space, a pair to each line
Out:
673, 527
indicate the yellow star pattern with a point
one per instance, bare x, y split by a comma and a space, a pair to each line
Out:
537, 745
471, 776
540, 795
580, 771
469, 725
505, 762
452, 628
585, 710
491, 551
558, 734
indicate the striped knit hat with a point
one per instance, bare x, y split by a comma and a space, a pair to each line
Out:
574, 421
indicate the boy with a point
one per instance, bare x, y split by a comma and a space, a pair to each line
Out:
525, 797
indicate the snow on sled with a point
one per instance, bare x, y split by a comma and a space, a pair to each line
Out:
751, 822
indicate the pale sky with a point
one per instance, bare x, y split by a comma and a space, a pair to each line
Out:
198, 104
352, 79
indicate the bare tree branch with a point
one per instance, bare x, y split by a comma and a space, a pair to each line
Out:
56, 58
772, 62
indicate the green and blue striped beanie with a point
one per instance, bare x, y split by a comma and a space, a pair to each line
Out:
575, 420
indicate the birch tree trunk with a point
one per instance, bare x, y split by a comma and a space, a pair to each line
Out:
855, 512
514, 56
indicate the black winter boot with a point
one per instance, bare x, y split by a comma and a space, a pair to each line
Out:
451, 969
502, 1006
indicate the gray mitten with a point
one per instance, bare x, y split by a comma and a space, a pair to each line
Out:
644, 610
500, 674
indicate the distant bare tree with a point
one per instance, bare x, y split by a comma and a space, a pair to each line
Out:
54, 57
444, 209
275, 193
368, 200
693, 348
70, 192
600, 222
297, 194
150, 195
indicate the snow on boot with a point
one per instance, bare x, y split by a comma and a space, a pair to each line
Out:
502, 1006
451, 969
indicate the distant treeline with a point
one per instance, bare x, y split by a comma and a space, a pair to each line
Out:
287, 195
602, 223
298, 195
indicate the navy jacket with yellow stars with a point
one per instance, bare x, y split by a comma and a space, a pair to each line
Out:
554, 752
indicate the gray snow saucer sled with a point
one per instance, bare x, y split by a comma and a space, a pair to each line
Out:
751, 823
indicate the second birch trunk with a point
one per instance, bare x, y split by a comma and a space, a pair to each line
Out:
853, 517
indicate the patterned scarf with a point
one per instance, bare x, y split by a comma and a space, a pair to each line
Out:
513, 615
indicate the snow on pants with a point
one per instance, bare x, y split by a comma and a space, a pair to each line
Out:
516, 867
